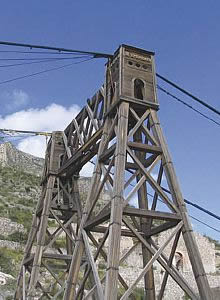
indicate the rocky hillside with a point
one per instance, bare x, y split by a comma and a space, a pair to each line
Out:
19, 192
12, 157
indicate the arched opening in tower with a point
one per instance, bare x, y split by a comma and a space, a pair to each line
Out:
139, 89
179, 261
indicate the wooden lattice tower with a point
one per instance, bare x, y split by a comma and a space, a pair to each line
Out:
119, 130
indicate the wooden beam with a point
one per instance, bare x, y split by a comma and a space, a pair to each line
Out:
131, 211
172, 253
93, 266
162, 227
70, 162
145, 148
102, 229
108, 153
151, 214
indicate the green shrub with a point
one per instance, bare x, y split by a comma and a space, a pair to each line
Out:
21, 216
9, 259
18, 236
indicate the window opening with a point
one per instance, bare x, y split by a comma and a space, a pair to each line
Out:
139, 89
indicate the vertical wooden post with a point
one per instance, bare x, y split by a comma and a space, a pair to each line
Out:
145, 226
111, 288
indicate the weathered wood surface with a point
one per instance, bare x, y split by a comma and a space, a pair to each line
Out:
120, 130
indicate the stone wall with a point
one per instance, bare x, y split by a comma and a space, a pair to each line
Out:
206, 249
132, 265
11, 245
8, 227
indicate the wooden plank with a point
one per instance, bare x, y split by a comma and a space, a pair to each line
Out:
131, 211
134, 103
154, 163
68, 152
152, 214
130, 179
68, 164
109, 182
134, 190
96, 105
24, 286
111, 133
145, 147
93, 266
57, 233
107, 154
78, 132
111, 287
52, 273
162, 227
63, 227
155, 198
102, 217
57, 256
104, 255
159, 179
99, 249
99, 189
102, 229
140, 104
90, 114
146, 163
129, 252
172, 253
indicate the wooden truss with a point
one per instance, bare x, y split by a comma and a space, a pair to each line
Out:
131, 159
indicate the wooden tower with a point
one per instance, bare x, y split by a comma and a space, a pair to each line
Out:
119, 131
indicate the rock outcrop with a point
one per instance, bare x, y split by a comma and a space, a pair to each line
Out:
10, 156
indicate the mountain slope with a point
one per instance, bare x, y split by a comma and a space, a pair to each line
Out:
10, 156
19, 192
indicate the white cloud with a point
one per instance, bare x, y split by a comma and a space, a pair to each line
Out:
51, 118
33, 145
87, 170
15, 99
19, 97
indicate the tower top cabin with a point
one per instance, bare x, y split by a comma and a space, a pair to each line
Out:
130, 76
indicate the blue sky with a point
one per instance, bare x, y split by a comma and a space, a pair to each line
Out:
185, 38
